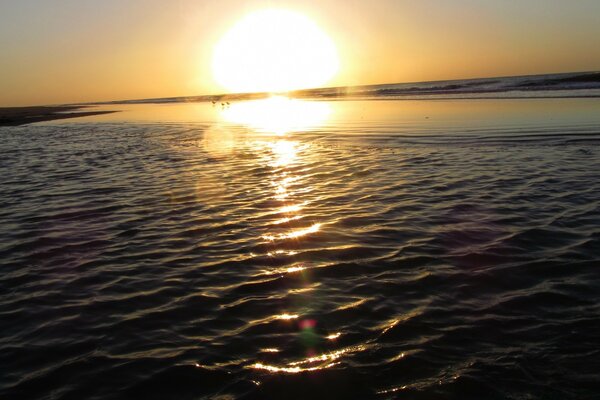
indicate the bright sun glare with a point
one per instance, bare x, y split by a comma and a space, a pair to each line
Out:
278, 115
274, 51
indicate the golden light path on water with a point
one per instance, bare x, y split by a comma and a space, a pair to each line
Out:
278, 115
313, 363
273, 124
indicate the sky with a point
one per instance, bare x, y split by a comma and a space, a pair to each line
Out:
66, 51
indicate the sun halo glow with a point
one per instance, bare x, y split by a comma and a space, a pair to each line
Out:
274, 50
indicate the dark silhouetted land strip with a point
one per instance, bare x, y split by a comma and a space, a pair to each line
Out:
13, 116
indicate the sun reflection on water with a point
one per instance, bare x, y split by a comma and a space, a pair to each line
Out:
285, 152
289, 370
277, 114
314, 363
281, 151
286, 316
294, 234
270, 350
290, 208
285, 220
301, 232
285, 270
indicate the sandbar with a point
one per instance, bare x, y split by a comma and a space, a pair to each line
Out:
13, 116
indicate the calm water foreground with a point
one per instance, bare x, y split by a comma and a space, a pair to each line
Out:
285, 249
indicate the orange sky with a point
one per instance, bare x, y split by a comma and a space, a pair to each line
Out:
82, 50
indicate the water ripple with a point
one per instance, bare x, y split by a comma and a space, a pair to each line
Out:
147, 261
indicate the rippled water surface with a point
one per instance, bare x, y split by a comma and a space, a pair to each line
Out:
349, 249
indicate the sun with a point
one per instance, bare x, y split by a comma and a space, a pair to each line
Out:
274, 50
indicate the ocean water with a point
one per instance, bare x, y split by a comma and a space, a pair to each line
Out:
291, 249
563, 85
575, 84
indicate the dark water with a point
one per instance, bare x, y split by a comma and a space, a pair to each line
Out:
422, 250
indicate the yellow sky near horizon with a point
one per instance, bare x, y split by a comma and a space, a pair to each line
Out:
79, 51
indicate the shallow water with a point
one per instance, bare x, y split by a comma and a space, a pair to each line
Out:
347, 249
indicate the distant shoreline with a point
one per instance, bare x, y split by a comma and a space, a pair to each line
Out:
15, 116
562, 85
570, 84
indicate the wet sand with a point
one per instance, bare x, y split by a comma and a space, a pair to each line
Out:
13, 116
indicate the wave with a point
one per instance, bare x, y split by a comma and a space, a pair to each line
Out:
584, 84
575, 84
